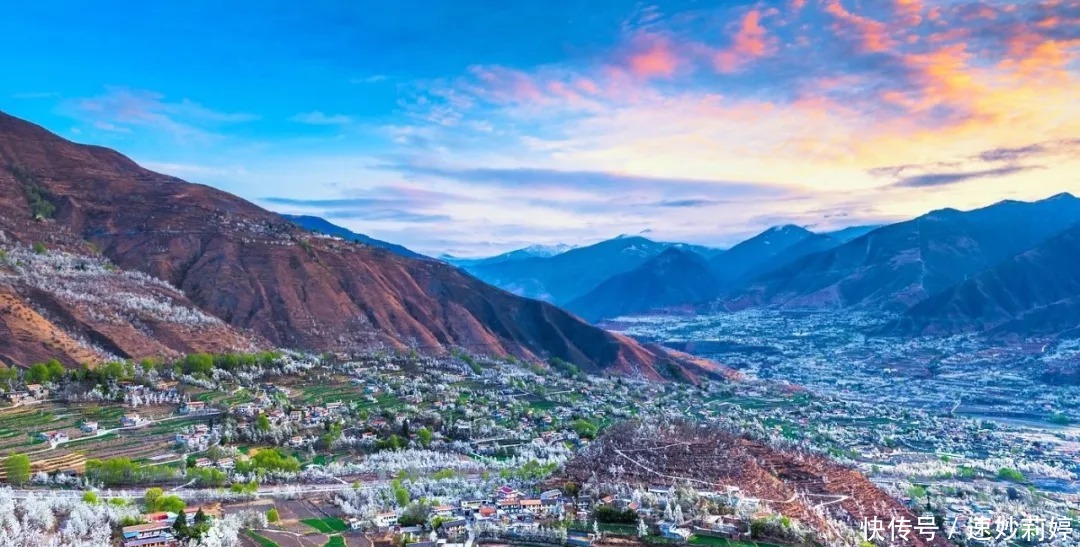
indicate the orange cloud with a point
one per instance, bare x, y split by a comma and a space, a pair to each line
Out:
749, 42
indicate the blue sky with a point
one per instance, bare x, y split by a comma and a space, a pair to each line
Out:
475, 127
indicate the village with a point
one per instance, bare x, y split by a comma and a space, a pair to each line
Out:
429, 449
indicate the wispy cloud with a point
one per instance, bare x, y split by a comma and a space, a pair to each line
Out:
371, 79
122, 110
36, 95
943, 179
538, 178
1067, 147
320, 118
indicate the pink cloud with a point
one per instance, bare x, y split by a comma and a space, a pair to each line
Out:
869, 35
748, 43
656, 58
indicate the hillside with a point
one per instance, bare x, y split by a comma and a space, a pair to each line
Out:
323, 226
896, 266
674, 277
1034, 292
255, 271
792, 483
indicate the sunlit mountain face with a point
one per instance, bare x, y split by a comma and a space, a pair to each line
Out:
473, 131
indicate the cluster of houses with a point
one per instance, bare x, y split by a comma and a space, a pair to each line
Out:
133, 419
34, 393
197, 437
157, 528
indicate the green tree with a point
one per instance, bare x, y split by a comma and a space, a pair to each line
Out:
56, 370
151, 498
272, 515
585, 429
571, 489
8, 375
38, 373
424, 435
40, 248
171, 504
90, 497
180, 527
18, 469
262, 423
401, 494
201, 524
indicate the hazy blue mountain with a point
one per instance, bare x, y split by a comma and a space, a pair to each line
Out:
566, 276
1034, 292
673, 278
844, 235
896, 266
532, 251
764, 252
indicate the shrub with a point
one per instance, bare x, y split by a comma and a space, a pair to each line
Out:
611, 515
1011, 475
18, 469
272, 515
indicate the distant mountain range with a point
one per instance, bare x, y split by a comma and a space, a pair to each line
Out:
1008, 268
532, 251
563, 277
323, 226
897, 266
103, 257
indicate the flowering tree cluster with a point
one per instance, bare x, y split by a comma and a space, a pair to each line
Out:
105, 292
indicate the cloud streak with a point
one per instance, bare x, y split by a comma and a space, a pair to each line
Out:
929, 180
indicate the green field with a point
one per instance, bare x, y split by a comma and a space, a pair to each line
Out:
327, 525
335, 541
263, 542
723, 542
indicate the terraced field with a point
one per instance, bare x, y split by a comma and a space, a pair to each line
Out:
20, 425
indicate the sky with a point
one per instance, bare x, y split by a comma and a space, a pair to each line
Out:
473, 127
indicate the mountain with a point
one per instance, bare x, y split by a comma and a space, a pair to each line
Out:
542, 250
700, 250
845, 235
323, 226
1034, 292
769, 249
565, 276
896, 266
672, 278
184, 248
532, 251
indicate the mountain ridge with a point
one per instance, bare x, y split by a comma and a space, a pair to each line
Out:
257, 272
323, 226
896, 266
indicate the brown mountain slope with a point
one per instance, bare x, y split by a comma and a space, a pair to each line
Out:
801, 486
28, 337
78, 308
255, 270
